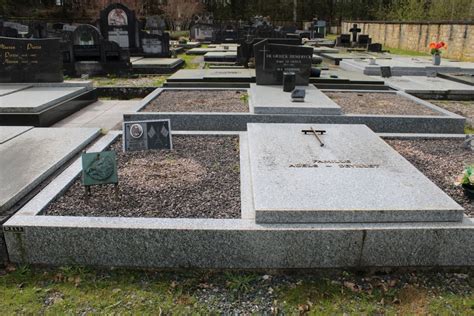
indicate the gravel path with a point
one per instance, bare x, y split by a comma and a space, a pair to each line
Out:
199, 178
198, 101
464, 108
441, 161
378, 104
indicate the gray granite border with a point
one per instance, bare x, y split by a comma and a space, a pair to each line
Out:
226, 243
446, 123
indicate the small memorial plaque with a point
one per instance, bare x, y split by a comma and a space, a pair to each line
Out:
145, 135
99, 168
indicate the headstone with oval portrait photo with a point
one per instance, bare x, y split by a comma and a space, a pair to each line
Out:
147, 135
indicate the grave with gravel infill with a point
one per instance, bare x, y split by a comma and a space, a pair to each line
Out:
380, 104
427, 228
199, 101
214, 109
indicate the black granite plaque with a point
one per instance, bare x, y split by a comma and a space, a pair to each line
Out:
30, 60
146, 135
272, 60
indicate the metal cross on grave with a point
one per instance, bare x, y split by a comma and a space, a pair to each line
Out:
264, 54
354, 30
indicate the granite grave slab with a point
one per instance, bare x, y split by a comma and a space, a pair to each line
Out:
9, 132
406, 66
273, 100
36, 99
345, 174
156, 65
31, 157
11, 88
428, 85
220, 56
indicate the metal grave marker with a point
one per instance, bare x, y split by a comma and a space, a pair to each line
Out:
99, 168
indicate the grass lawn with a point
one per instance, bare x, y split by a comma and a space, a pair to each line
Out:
404, 52
74, 290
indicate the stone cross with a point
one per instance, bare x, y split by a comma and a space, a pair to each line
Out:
354, 30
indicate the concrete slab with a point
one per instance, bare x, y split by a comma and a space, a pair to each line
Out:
220, 57
322, 49
154, 62
460, 77
223, 75
104, 114
273, 100
11, 88
36, 99
406, 66
421, 84
31, 157
354, 178
9, 132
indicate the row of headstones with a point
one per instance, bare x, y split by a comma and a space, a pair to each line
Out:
117, 23
258, 28
354, 39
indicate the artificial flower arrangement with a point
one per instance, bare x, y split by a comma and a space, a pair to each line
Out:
466, 180
436, 47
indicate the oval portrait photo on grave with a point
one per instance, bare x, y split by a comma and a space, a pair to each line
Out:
136, 131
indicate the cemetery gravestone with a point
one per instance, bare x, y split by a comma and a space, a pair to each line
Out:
30, 60
245, 50
118, 24
154, 40
344, 40
146, 135
354, 31
272, 60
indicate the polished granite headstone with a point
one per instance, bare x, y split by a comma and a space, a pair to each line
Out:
345, 173
272, 60
146, 135
30, 60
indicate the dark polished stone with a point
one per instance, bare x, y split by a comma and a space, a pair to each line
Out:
30, 60
272, 60
289, 81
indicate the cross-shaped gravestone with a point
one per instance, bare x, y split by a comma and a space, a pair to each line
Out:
354, 30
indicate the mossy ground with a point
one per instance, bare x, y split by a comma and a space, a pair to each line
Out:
73, 290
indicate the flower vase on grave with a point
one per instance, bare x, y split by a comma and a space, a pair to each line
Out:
436, 59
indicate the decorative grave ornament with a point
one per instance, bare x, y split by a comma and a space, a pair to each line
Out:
386, 71
298, 95
99, 168
147, 135
316, 134
289, 81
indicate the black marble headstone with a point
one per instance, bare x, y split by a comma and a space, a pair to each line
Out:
146, 135
245, 49
30, 60
272, 60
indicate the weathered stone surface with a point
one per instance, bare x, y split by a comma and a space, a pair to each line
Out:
11, 88
421, 84
355, 177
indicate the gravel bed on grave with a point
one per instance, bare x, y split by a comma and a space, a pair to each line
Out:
463, 108
199, 178
198, 101
378, 104
442, 161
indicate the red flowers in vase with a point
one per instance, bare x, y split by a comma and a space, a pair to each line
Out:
436, 47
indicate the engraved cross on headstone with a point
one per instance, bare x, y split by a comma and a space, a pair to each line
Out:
264, 55
354, 30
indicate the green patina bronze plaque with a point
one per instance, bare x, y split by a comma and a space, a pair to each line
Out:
99, 168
